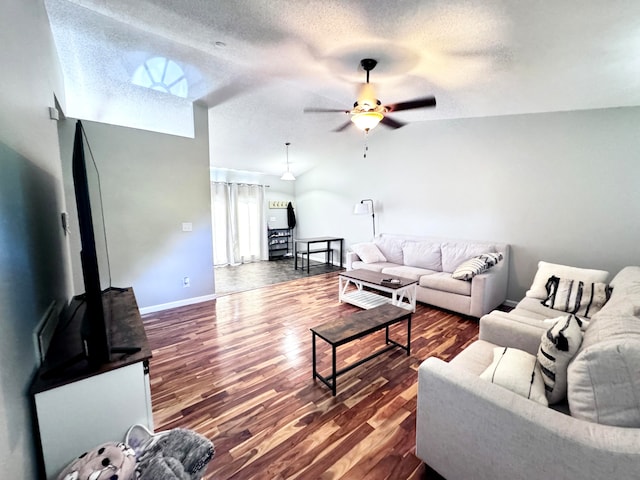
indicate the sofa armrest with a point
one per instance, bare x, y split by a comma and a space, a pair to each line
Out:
508, 330
467, 428
350, 258
489, 289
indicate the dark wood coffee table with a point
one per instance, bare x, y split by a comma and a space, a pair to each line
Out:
353, 327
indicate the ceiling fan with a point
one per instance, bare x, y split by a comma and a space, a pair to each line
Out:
367, 111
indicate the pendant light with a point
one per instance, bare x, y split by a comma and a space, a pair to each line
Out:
287, 175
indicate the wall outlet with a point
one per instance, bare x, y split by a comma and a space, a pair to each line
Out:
187, 227
186, 282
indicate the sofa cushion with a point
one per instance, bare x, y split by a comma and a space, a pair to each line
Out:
603, 383
533, 308
443, 282
558, 346
626, 284
454, 253
476, 265
374, 267
517, 371
368, 252
414, 273
575, 296
603, 379
391, 248
423, 255
546, 270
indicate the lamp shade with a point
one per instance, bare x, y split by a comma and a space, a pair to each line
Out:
361, 209
367, 120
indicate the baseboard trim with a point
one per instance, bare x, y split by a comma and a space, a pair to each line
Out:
510, 303
179, 303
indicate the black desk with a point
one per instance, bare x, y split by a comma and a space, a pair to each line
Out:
322, 245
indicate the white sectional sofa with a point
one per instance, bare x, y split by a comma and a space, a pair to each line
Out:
468, 427
431, 261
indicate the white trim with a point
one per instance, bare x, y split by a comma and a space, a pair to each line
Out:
510, 303
179, 303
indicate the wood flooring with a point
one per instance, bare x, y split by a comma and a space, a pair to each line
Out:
238, 370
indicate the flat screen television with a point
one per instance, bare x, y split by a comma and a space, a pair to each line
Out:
94, 255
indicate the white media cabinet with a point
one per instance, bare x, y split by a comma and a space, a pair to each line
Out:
77, 409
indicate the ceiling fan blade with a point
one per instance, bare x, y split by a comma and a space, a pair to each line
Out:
324, 110
343, 126
390, 122
417, 103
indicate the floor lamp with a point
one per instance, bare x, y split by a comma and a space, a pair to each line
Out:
362, 208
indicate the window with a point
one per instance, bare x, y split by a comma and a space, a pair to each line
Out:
162, 74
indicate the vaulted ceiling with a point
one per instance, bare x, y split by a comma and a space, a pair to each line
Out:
258, 63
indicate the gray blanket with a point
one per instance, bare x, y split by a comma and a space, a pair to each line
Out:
177, 454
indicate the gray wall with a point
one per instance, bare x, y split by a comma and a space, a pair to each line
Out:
33, 251
151, 184
560, 187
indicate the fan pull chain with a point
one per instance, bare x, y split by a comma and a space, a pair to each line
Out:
366, 145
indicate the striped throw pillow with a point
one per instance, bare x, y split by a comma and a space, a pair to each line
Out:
574, 296
558, 345
476, 265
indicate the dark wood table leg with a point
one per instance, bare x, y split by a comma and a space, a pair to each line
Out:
335, 376
313, 353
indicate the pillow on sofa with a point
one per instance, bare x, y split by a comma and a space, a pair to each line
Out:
558, 346
422, 255
368, 252
454, 253
517, 371
575, 296
546, 270
476, 265
391, 248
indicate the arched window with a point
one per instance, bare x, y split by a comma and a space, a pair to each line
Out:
162, 74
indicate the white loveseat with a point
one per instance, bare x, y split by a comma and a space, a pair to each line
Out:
431, 261
468, 427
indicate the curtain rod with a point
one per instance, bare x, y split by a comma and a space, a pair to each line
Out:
242, 184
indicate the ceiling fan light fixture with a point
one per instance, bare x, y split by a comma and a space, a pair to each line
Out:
366, 120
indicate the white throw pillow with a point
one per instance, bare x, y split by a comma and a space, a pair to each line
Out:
391, 248
546, 270
517, 371
575, 296
558, 346
368, 252
422, 255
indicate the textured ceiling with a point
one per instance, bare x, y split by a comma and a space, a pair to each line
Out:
496, 57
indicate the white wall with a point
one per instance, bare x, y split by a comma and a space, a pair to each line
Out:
151, 184
279, 191
33, 252
560, 187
